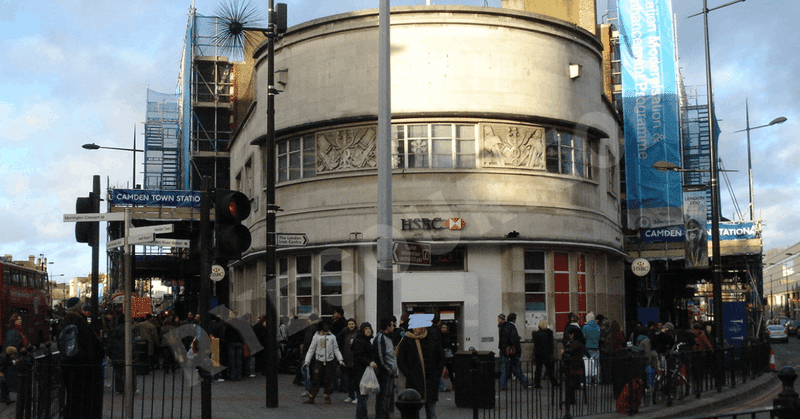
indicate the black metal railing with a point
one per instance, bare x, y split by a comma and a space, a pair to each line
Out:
640, 377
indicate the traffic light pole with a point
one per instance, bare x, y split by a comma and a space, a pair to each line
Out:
272, 315
205, 286
95, 252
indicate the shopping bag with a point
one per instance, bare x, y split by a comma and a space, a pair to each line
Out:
445, 384
369, 382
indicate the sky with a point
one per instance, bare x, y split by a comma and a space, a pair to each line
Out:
74, 72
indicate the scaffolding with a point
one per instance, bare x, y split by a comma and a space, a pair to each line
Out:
162, 148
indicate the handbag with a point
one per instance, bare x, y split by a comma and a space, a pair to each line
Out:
369, 382
510, 350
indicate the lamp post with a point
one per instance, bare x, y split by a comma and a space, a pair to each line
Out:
712, 157
778, 120
134, 150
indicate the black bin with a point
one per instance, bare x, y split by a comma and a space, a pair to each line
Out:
141, 365
474, 375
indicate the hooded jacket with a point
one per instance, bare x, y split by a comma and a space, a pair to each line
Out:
323, 348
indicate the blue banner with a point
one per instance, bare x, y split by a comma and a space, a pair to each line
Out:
650, 112
727, 231
734, 322
148, 198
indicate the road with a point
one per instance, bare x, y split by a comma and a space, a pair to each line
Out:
785, 354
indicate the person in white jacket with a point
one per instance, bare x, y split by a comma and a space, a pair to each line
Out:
320, 356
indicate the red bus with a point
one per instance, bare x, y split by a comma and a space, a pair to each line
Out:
25, 291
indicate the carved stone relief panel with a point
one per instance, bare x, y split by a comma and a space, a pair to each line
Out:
346, 149
513, 146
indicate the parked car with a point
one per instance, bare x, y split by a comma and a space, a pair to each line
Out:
776, 332
791, 327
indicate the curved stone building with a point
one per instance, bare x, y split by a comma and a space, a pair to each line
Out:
505, 161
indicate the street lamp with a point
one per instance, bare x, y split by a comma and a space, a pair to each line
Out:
778, 120
134, 150
712, 157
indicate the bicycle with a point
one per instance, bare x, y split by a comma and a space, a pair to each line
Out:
670, 375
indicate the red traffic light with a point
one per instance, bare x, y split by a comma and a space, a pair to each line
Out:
231, 206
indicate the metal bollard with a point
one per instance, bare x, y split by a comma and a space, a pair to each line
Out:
788, 402
409, 402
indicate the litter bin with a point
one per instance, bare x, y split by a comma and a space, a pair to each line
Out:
141, 365
474, 374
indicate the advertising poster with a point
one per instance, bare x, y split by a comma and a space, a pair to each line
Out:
650, 112
696, 235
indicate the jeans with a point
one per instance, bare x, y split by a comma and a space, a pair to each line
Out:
511, 365
430, 410
384, 401
361, 406
235, 361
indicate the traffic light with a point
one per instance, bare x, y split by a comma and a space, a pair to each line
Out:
84, 230
232, 238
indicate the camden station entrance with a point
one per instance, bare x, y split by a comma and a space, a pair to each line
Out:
450, 313
671, 292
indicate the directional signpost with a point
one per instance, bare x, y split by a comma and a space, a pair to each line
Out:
109, 216
291, 240
406, 253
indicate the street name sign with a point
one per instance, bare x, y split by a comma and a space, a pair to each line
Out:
406, 253
115, 243
141, 238
156, 229
297, 239
109, 216
171, 243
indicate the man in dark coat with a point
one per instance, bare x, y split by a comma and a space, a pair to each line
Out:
83, 376
422, 374
510, 350
543, 349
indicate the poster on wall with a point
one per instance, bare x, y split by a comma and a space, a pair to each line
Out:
650, 112
532, 319
696, 235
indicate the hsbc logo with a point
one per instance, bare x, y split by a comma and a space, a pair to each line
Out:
410, 224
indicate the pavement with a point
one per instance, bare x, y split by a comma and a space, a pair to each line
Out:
247, 399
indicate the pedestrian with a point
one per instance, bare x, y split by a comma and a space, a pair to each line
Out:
572, 363
450, 347
82, 374
345, 341
116, 353
591, 333
573, 321
15, 334
260, 330
338, 324
322, 351
363, 358
387, 369
420, 358
543, 351
510, 351
234, 347
7, 361
146, 330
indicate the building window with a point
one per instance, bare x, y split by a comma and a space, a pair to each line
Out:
568, 154
444, 258
330, 282
283, 290
611, 185
296, 158
581, 284
433, 146
535, 290
303, 288
561, 289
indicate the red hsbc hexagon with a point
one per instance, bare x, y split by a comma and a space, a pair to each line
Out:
456, 223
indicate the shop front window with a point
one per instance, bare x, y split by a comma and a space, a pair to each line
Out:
330, 282
303, 288
444, 258
561, 289
535, 289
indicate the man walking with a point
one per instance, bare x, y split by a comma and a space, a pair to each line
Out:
81, 364
510, 349
387, 369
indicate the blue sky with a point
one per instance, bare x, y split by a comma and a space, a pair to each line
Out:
77, 71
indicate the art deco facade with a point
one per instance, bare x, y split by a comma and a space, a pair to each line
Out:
505, 160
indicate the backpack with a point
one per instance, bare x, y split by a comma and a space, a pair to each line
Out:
68, 344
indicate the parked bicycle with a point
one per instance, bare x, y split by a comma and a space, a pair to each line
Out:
670, 377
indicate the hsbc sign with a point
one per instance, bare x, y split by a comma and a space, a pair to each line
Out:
409, 224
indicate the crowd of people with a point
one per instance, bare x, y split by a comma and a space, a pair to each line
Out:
594, 350
412, 354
